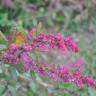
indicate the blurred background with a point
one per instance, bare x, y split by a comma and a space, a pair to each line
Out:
76, 17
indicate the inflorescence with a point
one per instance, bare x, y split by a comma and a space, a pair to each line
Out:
42, 42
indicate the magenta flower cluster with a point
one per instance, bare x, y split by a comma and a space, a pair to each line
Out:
42, 42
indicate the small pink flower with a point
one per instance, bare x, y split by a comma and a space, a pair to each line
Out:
13, 46
33, 29
70, 44
27, 47
30, 33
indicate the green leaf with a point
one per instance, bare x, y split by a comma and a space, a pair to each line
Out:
38, 78
12, 90
91, 91
1, 89
34, 34
32, 74
60, 18
33, 86
63, 85
13, 73
19, 67
2, 75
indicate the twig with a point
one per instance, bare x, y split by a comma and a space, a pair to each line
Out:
3, 36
